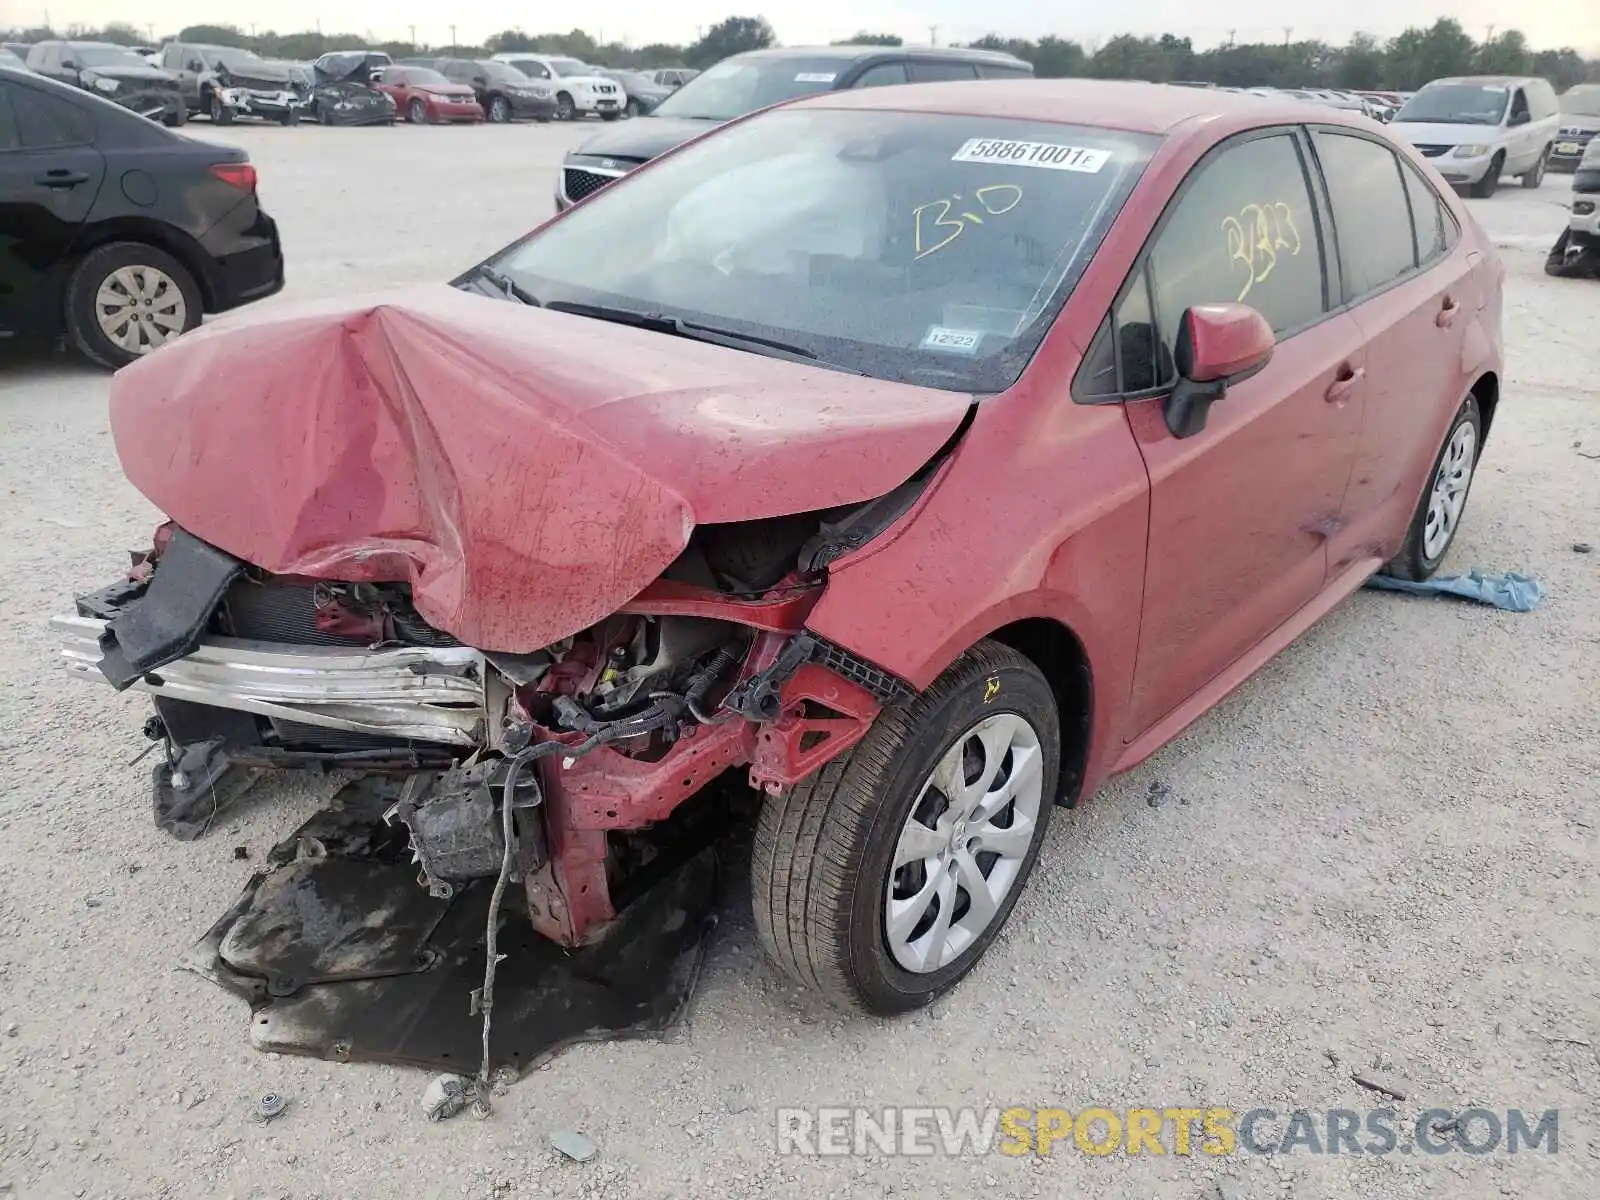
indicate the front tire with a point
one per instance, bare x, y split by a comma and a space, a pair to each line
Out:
221, 114
127, 299
1438, 517
566, 110
1490, 182
1534, 177
417, 112
499, 110
883, 878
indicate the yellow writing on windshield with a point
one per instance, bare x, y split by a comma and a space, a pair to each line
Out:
1256, 237
938, 223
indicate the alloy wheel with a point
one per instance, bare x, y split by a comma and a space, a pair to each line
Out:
964, 843
1449, 495
140, 308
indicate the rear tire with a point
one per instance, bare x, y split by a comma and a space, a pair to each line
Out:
83, 312
1490, 182
833, 909
1424, 550
1534, 177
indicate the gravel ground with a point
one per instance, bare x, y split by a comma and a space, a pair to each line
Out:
1382, 848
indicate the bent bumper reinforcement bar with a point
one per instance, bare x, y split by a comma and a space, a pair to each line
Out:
421, 693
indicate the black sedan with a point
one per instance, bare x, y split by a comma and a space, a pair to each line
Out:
116, 73
643, 93
120, 234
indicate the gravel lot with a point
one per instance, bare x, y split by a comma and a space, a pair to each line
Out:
1383, 847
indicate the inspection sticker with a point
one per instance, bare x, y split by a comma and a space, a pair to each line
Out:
1032, 154
815, 77
952, 341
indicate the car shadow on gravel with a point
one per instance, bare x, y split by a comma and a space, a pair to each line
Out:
36, 362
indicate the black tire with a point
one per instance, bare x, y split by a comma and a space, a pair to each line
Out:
609, 116
631, 109
541, 120
1412, 562
221, 114
1535, 177
417, 112
499, 111
83, 328
566, 110
1490, 183
824, 850
290, 117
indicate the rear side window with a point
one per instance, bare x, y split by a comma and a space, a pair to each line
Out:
1243, 230
940, 72
1002, 71
1370, 211
882, 75
46, 121
1435, 227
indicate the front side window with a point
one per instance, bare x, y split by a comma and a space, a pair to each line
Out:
909, 246
1370, 211
882, 75
502, 73
1242, 231
737, 86
1456, 104
105, 56
1519, 105
941, 72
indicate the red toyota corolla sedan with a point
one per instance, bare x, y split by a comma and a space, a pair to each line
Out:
426, 97
925, 455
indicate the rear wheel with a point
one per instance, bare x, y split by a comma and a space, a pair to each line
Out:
290, 117
631, 109
1534, 176
883, 878
1438, 516
126, 299
1487, 186
417, 112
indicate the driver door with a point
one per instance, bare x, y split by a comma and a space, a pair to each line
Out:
1240, 513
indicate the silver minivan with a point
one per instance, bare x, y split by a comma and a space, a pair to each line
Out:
1477, 128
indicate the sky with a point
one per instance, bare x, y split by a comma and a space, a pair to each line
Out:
1547, 23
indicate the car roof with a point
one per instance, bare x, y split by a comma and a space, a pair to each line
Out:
853, 53
1482, 79
1105, 104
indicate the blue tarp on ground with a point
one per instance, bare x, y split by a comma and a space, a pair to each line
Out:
1512, 592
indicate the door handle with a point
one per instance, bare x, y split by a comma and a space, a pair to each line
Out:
1344, 383
60, 177
1447, 314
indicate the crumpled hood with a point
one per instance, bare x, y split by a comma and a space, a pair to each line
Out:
271, 75
526, 471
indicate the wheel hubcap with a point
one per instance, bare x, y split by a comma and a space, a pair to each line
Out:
962, 848
140, 308
1449, 495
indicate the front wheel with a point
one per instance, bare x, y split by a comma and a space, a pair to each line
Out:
1490, 182
499, 110
883, 878
1438, 516
417, 112
1534, 176
221, 114
566, 110
289, 117
126, 299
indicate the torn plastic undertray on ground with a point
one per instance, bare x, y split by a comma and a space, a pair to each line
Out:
342, 955
1512, 592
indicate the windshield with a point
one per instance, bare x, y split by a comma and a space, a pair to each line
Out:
105, 56
503, 73
237, 59
8, 59
569, 66
741, 85
1582, 101
424, 77
1456, 104
924, 248
630, 78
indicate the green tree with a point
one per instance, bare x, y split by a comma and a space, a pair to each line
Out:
735, 35
1418, 55
1507, 54
871, 39
1563, 67
221, 35
1361, 64
1056, 58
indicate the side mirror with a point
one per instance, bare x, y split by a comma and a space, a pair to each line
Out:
1218, 345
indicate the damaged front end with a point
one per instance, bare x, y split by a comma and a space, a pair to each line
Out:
574, 764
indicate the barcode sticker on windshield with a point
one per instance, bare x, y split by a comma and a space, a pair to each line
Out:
815, 77
951, 341
1032, 154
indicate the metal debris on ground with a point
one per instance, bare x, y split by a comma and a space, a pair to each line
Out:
1158, 794
445, 1096
1228, 1189
574, 1145
241, 853
1382, 1084
1582, 548
271, 1106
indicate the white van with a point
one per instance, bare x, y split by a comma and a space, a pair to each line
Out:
1477, 128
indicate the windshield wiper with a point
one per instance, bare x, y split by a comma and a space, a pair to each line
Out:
508, 287
694, 331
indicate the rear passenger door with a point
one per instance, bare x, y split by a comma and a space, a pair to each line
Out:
1239, 513
1408, 283
49, 176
